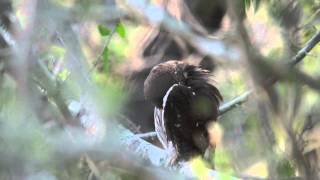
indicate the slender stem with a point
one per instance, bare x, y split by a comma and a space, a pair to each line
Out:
234, 102
304, 51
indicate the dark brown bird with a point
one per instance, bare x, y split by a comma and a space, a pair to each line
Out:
185, 103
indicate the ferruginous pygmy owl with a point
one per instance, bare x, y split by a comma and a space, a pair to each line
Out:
185, 105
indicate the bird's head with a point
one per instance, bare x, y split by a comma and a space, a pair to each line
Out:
161, 78
166, 74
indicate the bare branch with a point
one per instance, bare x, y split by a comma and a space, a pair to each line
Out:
298, 74
305, 50
210, 46
234, 102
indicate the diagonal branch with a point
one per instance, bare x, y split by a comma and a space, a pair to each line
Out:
234, 102
305, 50
295, 60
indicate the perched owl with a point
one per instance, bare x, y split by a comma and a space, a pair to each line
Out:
185, 104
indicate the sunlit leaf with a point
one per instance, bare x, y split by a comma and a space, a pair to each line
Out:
104, 31
120, 29
63, 75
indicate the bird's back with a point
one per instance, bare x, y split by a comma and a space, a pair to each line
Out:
189, 103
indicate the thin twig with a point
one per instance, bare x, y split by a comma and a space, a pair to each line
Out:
304, 51
96, 62
234, 102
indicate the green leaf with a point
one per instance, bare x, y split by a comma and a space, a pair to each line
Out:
63, 75
104, 31
120, 29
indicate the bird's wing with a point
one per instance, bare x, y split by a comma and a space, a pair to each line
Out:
159, 121
179, 122
186, 113
162, 136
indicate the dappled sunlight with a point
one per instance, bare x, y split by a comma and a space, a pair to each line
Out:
258, 169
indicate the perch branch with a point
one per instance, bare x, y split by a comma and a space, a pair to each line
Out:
305, 50
295, 60
234, 102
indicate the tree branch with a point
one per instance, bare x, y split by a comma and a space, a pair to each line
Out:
295, 60
139, 8
134, 142
153, 15
234, 102
306, 49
